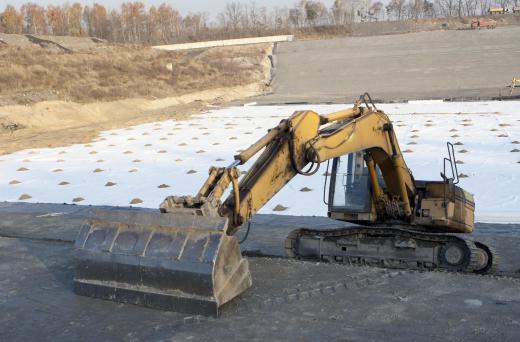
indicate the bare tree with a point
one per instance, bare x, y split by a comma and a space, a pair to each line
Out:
341, 12
34, 17
483, 6
153, 26
395, 9
233, 15
97, 21
314, 10
133, 21
428, 9
193, 24
416, 9
279, 19
170, 22
375, 10
257, 18
447, 8
58, 20
469, 7
115, 26
297, 15
74, 16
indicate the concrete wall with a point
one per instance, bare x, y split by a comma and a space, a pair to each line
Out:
228, 42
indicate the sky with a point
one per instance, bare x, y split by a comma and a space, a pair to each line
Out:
184, 6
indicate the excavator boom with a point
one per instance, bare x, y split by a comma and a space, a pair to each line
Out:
304, 138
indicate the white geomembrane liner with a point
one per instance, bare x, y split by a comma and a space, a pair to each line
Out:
168, 153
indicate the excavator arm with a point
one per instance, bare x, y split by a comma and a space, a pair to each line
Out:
303, 141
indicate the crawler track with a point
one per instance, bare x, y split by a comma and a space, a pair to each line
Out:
392, 248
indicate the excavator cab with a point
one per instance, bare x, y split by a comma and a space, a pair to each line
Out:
350, 184
440, 205
350, 194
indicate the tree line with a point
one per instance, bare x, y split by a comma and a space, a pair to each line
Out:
133, 22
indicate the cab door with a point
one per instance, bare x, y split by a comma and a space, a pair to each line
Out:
349, 190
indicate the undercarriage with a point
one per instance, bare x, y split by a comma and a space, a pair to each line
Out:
392, 248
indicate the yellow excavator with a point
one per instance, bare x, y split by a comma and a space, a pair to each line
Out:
186, 258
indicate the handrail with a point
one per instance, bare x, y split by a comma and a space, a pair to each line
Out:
453, 165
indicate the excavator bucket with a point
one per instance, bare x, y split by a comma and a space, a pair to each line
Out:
177, 262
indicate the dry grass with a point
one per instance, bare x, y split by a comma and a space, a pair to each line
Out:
32, 74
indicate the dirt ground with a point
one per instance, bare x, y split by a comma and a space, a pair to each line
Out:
52, 98
115, 72
424, 65
289, 300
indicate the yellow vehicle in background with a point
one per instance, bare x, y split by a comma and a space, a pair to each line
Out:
498, 10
